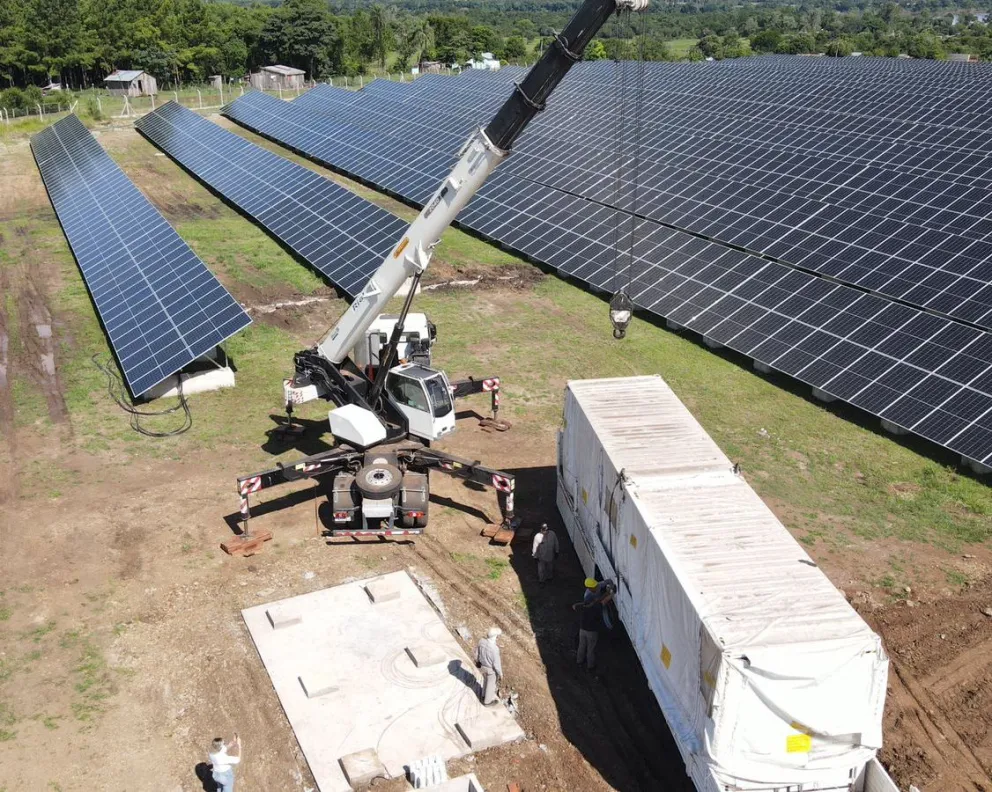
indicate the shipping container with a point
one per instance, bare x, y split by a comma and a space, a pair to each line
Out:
767, 677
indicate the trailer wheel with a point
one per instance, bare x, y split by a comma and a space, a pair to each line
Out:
379, 480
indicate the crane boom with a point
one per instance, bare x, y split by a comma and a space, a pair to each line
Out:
478, 157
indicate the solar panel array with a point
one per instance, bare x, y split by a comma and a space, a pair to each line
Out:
160, 306
745, 204
340, 234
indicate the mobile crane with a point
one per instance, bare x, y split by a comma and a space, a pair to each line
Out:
387, 415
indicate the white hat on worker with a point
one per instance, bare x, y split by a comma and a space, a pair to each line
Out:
495, 632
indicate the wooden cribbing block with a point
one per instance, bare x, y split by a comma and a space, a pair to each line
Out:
246, 546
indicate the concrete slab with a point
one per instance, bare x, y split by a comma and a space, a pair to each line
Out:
282, 617
383, 699
465, 783
424, 655
361, 767
382, 590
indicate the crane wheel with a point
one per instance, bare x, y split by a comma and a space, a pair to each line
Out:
379, 480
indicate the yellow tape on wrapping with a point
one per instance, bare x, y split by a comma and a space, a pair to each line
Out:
666, 656
798, 743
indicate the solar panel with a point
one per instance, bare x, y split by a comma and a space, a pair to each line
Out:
920, 372
342, 235
863, 216
160, 306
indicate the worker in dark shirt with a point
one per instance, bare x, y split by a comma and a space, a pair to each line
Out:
591, 620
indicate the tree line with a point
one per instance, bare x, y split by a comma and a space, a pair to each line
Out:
78, 42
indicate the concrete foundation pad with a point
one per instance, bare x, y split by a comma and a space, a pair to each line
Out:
488, 727
383, 698
673, 325
712, 343
762, 368
361, 767
424, 655
465, 783
823, 396
281, 618
892, 428
382, 590
976, 467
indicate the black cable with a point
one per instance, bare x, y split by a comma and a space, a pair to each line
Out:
115, 387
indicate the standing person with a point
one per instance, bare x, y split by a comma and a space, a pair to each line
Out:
590, 622
223, 757
488, 660
545, 550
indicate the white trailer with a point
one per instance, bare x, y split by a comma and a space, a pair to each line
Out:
767, 677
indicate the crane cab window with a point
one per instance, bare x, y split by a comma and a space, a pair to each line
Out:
408, 392
420, 388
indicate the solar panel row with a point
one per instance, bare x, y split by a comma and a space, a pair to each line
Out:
921, 239
918, 371
160, 306
342, 235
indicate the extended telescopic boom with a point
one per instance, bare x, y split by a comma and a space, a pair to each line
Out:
480, 155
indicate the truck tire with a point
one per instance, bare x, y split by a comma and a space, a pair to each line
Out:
379, 480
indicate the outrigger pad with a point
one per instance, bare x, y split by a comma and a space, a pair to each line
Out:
246, 545
505, 533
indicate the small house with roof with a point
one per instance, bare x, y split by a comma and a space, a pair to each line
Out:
131, 82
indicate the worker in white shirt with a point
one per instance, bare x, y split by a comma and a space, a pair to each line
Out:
545, 550
488, 660
223, 756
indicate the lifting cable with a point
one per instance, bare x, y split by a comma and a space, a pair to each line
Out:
621, 304
115, 387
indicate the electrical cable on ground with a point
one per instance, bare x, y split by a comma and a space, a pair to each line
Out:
117, 391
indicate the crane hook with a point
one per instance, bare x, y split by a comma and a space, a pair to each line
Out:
621, 312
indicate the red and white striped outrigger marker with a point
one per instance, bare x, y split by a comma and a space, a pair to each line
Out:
492, 385
503, 483
245, 488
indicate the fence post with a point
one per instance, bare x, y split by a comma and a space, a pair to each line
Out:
41, 113
199, 98
176, 94
242, 89
99, 106
152, 97
222, 92
280, 91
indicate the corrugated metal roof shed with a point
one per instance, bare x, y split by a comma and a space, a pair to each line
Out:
123, 75
285, 70
752, 582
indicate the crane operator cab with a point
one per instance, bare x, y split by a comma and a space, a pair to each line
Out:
423, 395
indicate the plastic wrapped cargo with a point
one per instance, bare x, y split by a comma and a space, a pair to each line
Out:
767, 677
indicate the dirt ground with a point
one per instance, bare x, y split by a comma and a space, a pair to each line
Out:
122, 651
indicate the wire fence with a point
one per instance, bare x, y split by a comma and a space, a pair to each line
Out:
102, 104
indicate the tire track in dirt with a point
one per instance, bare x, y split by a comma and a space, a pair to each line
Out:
607, 717
939, 709
38, 342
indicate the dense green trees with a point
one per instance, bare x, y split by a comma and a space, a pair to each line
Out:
80, 41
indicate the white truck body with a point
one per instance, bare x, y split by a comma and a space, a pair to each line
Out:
767, 677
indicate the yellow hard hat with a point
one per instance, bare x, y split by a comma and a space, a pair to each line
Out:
590, 583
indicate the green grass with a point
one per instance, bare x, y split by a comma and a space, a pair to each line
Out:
4, 613
956, 578
8, 719
234, 248
496, 567
680, 47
